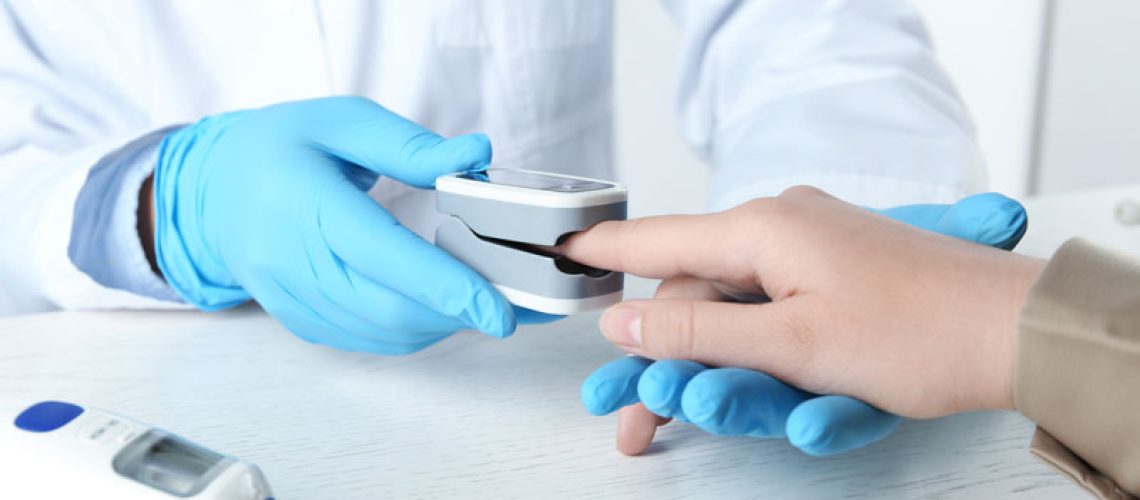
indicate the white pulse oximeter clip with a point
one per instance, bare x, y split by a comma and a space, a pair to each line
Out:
62, 450
505, 223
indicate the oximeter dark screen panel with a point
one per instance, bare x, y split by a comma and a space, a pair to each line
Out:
535, 181
168, 463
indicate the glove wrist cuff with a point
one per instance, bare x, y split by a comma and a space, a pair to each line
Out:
182, 249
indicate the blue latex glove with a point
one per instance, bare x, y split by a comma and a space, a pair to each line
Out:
531, 317
272, 204
735, 401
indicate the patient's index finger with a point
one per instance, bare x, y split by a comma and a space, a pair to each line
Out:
707, 246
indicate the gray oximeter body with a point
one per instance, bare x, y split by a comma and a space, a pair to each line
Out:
505, 223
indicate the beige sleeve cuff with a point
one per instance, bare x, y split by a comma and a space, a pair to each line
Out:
1054, 453
1078, 367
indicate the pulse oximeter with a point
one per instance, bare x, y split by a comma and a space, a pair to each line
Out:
63, 450
505, 224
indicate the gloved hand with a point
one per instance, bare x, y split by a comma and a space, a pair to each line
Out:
272, 204
736, 401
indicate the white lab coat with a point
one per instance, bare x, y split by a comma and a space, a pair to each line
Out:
842, 94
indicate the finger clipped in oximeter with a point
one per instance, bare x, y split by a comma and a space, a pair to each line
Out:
504, 224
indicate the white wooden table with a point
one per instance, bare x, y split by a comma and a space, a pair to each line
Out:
470, 417
477, 417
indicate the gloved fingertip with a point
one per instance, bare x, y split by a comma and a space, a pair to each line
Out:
996, 207
503, 328
598, 397
662, 385
987, 201
830, 425
430, 156
996, 219
655, 393
593, 398
704, 405
472, 152
490, 313
526, 316
613, 385
1010, 222
813, 438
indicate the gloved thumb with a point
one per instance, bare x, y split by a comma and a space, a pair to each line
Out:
987, 218
428, 157
365, 133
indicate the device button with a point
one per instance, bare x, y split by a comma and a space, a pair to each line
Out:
127, 436
102, 429
47, 416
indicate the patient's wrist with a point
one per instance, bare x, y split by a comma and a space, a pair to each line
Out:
1023, 272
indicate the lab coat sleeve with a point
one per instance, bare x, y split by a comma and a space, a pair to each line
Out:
843, 94
53, 129
104, 233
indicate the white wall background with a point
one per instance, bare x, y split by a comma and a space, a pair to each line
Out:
663, 173
992, 51
989, 47
1090, 133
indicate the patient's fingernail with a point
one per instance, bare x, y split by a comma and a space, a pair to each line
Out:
622, 326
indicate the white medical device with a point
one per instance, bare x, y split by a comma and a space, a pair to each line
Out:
505, 224
61, 450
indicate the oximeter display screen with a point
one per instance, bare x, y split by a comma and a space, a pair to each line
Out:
532, 180
168, 463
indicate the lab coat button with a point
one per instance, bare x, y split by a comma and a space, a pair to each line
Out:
1128, 212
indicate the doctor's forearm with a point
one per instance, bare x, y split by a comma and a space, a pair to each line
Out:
847, 96
146, 222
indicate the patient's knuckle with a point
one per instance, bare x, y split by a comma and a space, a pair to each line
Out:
766, 210
802, 191
755, 206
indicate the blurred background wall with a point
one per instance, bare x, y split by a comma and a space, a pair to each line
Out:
1053, 86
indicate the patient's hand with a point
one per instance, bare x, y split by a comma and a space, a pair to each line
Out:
909, 321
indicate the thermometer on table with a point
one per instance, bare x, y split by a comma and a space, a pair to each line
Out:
55, 449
